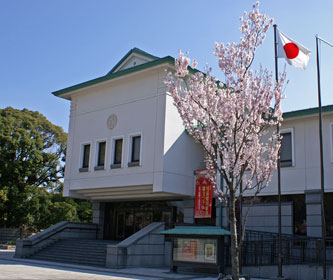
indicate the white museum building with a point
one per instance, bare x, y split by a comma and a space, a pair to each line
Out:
129, 154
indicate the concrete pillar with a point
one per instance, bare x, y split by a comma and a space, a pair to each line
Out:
98, 217
224, 218
220, 211
189, 210
313, 213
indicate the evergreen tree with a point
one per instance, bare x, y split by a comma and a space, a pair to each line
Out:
32, 154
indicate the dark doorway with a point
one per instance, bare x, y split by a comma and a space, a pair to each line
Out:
122, 219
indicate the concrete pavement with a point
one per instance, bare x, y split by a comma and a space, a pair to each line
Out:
26, 269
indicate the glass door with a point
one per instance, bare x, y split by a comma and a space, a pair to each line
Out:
142, 219
120, 225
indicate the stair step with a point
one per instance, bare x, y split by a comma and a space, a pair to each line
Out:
69, 257
74, 261
74, 256
70, 260
77, 251
89, 241
77, 248
83, 241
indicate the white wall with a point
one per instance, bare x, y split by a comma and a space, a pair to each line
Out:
263, 217
169, 154
182, 156
136, 102
305, 174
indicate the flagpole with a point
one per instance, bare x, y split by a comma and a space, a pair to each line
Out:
240, 221
323, 227
278, 164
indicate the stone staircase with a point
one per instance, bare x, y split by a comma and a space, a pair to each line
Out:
75, 251
70, 242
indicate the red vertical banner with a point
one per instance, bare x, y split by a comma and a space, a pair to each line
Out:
203, 195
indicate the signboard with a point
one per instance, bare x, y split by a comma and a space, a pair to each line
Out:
203, 195
195, 250
189, 249
210, 251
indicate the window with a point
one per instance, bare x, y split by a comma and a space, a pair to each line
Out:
135, 150
286, 153
85, 158
136, 141
117, 153
101, 155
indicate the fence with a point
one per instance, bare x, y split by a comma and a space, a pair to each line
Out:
8, 235
260, 248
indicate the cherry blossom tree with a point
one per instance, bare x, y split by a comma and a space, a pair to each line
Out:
233, 120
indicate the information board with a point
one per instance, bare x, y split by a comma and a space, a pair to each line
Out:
201, 250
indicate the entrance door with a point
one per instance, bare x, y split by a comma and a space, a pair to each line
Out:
129, 221
123, 219
142, 219
120, 225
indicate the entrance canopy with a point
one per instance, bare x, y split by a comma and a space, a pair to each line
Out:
123, 193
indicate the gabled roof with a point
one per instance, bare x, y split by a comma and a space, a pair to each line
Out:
118, 72
131, 53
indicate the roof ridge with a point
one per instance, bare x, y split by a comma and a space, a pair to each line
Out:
135, 49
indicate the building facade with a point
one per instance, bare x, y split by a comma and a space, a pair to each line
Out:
300, 177
127, 148
129, 154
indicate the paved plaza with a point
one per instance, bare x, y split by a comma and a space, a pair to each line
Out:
13, 268
25, 269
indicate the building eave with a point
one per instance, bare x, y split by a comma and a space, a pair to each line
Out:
63, 93
124, 193
307, 112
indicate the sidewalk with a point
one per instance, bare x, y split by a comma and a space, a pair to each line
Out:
13, 268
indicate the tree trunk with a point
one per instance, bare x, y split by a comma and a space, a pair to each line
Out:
234, 237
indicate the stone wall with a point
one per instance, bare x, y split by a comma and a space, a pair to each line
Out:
189, 210
145, 248
313, 213
27, 247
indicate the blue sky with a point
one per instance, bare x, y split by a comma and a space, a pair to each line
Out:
49, 45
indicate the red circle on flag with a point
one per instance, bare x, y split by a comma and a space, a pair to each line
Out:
291, 50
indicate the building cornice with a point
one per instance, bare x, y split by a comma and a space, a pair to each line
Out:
307, 112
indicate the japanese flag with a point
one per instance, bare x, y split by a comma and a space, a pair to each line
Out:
295, 54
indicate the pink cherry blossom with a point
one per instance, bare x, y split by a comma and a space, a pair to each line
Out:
234, 121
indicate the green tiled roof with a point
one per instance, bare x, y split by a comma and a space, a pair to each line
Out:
196, 230
167, 59
305, 112
170, 60
111, 75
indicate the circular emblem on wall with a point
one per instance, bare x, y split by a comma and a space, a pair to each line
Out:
111, 121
